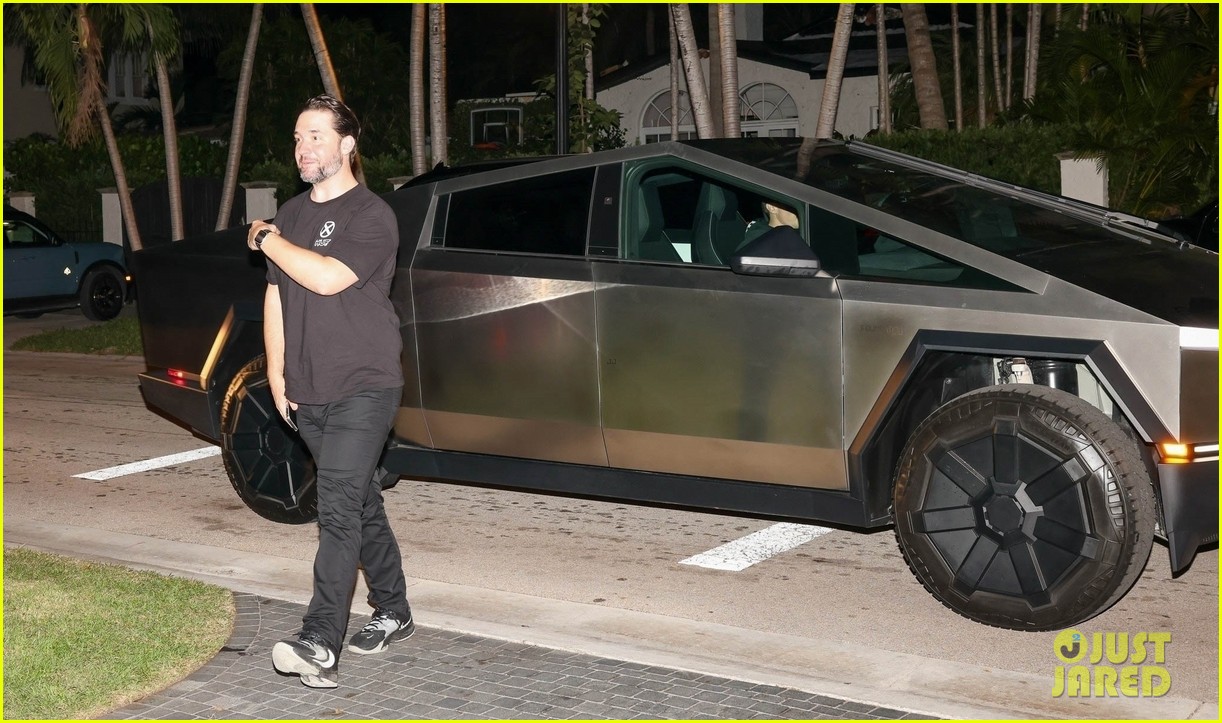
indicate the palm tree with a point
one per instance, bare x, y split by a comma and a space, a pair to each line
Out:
731, 113
67, 41
981, 77
697, 92
416, 89
237, 133
674, 78
884, 76
169, 132
437, 82
830, 103
1009, 53
713, 81
956, 65
996, 57
924, 67
318, 42
1031, 67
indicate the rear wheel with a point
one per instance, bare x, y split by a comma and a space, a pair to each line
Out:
266, 461
1023, 507
102, 294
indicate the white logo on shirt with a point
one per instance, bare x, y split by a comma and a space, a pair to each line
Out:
324, 234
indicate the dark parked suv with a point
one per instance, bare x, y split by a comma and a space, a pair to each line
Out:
1024, 386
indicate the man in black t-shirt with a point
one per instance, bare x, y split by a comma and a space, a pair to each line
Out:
332, 342
775, 238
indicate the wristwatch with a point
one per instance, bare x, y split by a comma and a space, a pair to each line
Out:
260, 236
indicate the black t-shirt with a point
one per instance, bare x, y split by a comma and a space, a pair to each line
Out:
778, 242
336, 346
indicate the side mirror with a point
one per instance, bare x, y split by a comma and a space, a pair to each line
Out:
768, 266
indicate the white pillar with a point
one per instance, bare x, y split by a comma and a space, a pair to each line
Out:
112, 216
260, 201
1084, 179
22, 201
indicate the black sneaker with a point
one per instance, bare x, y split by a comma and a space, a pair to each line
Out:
310, 657
385, 628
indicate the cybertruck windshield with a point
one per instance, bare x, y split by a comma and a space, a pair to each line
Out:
1138, 269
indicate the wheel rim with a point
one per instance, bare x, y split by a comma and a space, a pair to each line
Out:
1008, 514
107, 296
269, 460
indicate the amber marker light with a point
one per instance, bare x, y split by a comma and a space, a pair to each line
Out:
1175, 452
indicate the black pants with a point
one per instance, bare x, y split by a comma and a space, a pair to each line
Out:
347, 438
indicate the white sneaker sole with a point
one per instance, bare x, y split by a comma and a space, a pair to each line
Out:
286, 660
385, 643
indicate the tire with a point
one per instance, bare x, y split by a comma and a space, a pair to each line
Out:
267, 463
102, 294
1023, 507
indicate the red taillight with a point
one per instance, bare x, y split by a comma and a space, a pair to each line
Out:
176, 373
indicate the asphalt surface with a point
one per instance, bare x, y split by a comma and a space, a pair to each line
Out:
482, 653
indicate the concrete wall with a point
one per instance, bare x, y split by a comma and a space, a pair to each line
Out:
858, 97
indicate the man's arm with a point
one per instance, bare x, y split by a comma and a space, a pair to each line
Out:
321, 274
273, 346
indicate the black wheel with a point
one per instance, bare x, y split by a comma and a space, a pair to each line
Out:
1023, 507
266, 461
102, 294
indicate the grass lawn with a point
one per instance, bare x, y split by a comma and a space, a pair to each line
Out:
82, 638
119, 336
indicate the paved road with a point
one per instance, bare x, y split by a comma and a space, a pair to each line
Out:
839, 615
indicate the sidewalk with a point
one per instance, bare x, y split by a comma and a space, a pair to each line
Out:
445, 674
479, 647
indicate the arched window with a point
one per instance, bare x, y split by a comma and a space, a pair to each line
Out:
655, 123
768, 110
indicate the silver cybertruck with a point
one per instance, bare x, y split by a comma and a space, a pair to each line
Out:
1025, 387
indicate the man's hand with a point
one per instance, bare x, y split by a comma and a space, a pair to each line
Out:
276, 384
255, 228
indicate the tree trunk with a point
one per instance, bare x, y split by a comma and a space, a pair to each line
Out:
1009, 53
589, 54
716, 104
830, 103
982, 91
697, 92
1085, 14
674, 78
437, 82
731, 114
957, 65
125, 192
1034, 16
415, 80
169, 133
884, 75
330, 82
237, 133
996, 59
924, 67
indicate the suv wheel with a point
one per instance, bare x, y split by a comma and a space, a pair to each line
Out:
102, 294
266, 461
1023, 507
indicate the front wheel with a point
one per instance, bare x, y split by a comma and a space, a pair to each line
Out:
1023, 507
101, 295
267, 463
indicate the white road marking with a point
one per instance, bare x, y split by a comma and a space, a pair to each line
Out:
146, 465
756, 547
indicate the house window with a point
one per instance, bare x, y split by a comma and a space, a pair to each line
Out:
127, 79
500, 126
767, 110
655, 125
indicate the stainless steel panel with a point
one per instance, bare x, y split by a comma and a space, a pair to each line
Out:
881, 318
706, 372
1199, 383
506, 357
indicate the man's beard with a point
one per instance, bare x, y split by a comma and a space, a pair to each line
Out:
322, 172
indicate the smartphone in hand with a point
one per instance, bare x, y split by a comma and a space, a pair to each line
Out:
288, 416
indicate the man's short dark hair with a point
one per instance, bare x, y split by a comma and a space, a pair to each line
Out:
343, 121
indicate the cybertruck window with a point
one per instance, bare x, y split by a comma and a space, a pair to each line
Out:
542, 215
